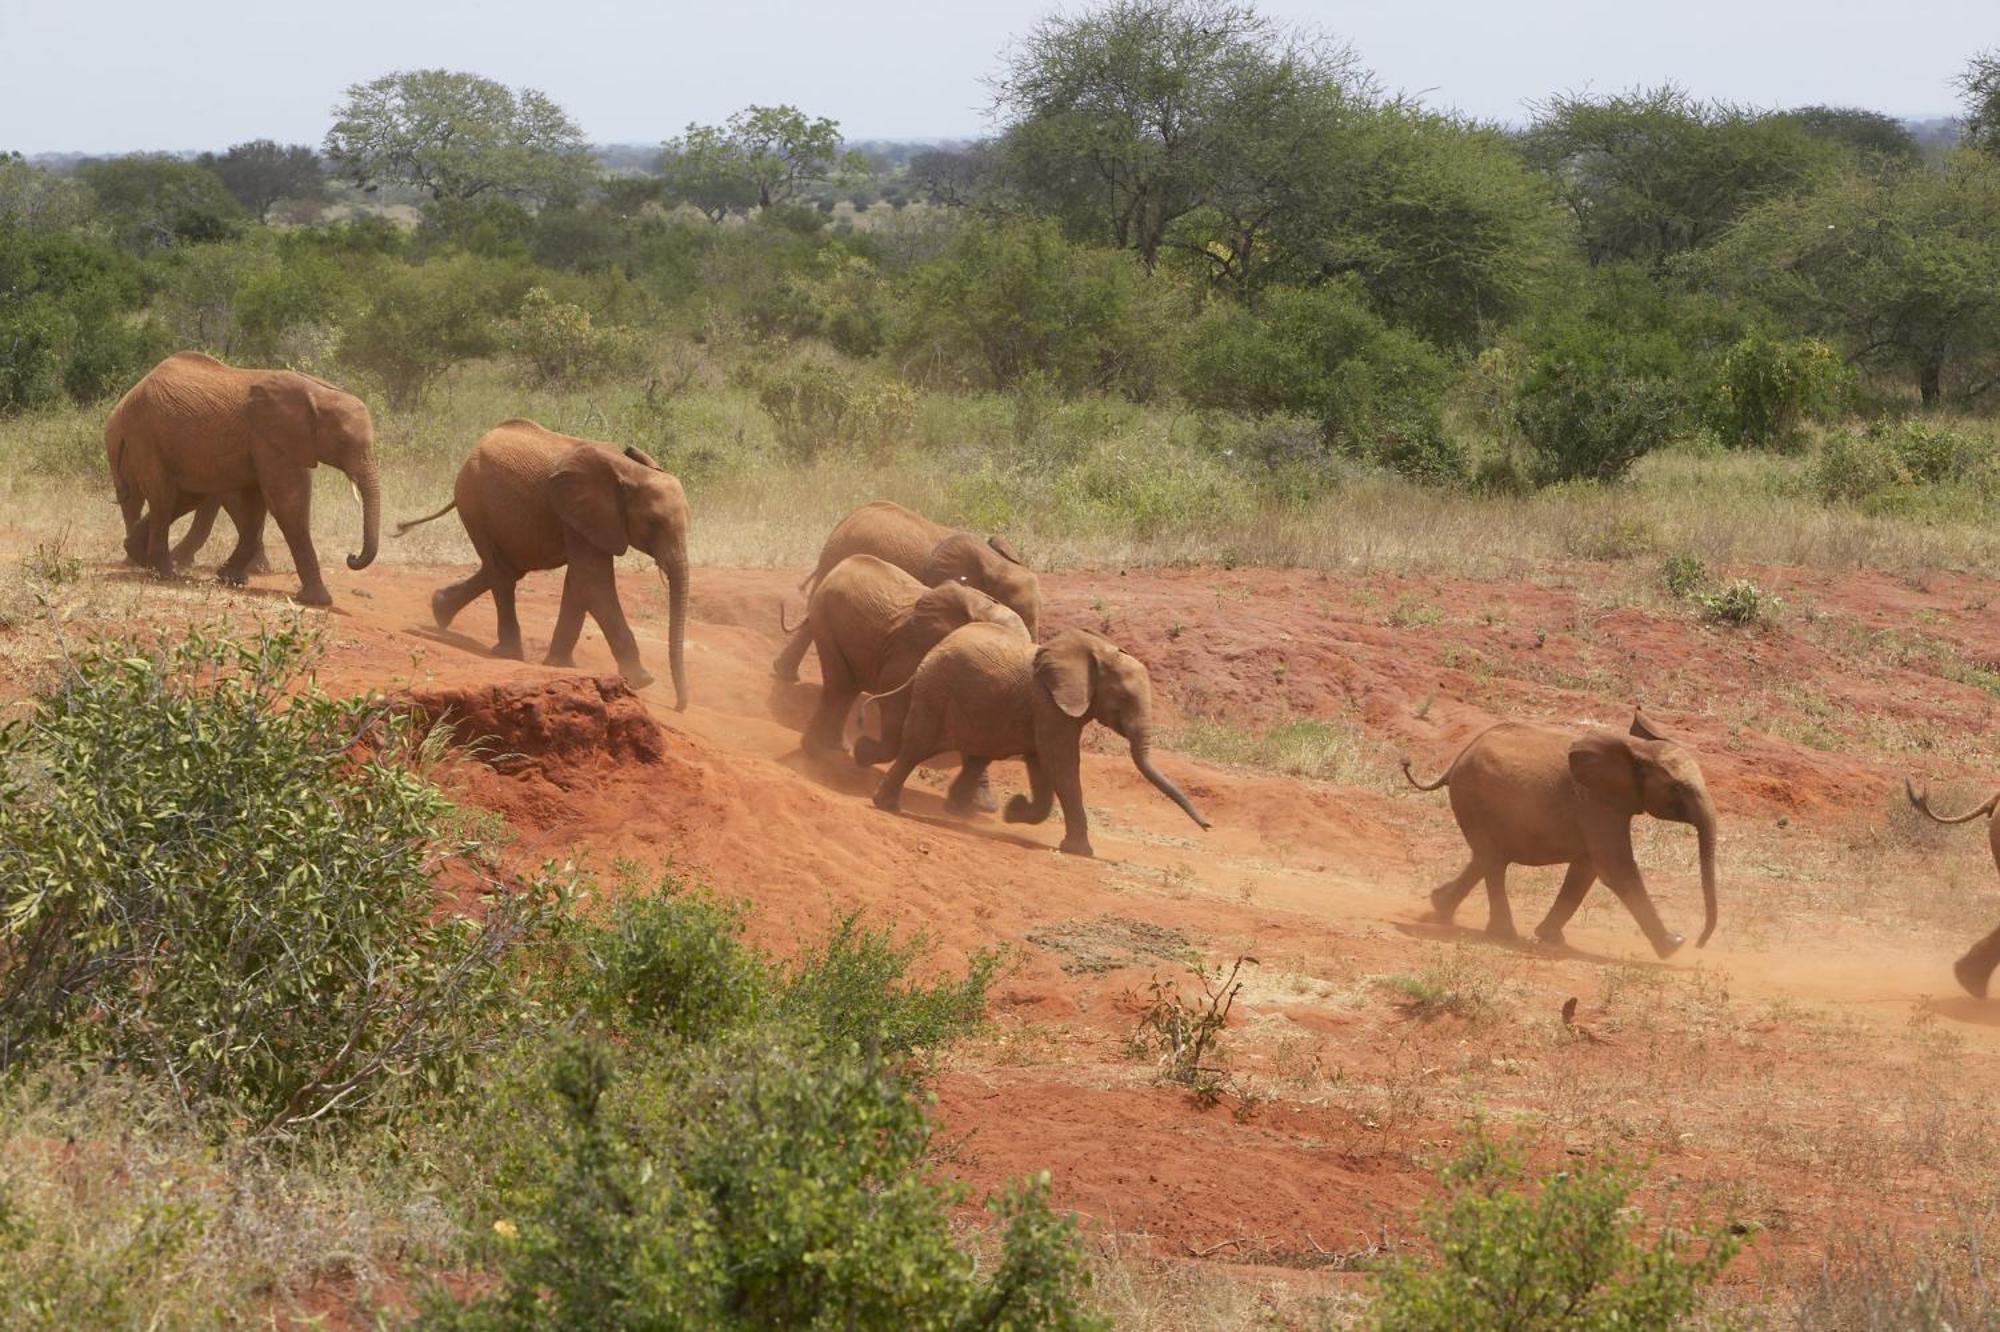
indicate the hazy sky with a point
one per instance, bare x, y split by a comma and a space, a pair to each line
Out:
105, 75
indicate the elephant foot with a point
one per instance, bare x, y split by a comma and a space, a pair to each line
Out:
1021, 810
785, 675
1076, 846
1443, 908
260, 563
1668, 944
889, 801
1972, 977
313, 596
507, 650
231, 577
1552, 936
637, 676
1503, 931
562, 659
441, 615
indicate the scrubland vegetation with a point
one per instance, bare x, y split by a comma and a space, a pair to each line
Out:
1208, 295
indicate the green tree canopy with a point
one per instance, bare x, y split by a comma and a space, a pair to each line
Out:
263, 171
1901, 270
42, 200
1979, 86
764, 157
1857, 130
1655, 173
456, 136
155, 201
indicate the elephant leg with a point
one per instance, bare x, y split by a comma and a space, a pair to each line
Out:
1041, 798
132, 508
786, 667
287, 493
504, 583
837, 693
190, 545
963, 797
597, 578
921, 739
1631, 890
1057, 747
1446, 897
1499, 914
158, 523
569, 623
1576, 884
246, 511
1975, 969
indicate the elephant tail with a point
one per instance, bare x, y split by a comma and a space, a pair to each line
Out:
121, 489
784, 628
1443, 778
866, 699
1922, 801
403, 527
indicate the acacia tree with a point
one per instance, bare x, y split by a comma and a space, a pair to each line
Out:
456, 136
1655, 173
1903, 270
263, 171
1979, 85
765, 156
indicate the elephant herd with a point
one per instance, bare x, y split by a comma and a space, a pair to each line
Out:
939, 631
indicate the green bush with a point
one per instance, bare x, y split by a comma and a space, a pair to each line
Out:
1560, 1256
1321, 352
815, 406
66, 325
750, 1184
1765, 389
671, 963
558, 344
852, 990
1892, 455
1589, 408
1738, 603
215, 874
419, 322
1015, 297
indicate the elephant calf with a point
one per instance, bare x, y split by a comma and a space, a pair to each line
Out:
873, 624
1525, 794
533, 499
931, 553
1975, 969
989, 694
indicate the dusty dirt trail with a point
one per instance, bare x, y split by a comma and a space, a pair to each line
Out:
1323, 883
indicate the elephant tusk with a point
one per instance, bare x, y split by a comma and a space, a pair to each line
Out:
354, 490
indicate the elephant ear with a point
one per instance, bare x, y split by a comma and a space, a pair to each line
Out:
1005, 549
1066, 667
1643, 727
1603, 763
586, 493
643, 458
284, 411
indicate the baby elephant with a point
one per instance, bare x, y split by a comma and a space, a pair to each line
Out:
1525, 794
532, 499
989, 694
872, 624
1975, 969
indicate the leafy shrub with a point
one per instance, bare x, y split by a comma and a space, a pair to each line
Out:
216, 874
1011, 298
557, 343
1739, 603
1765, 389
746, 1185
852, 990
1684, 575
1185, 1035
155, 201
419, 322
671, 963
1322, 352
1564, 1255
814, 406
1588, 414
1891, 455
65, 320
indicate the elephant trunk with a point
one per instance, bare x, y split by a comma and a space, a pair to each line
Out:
369, 482
674, 569
1142, 759
1704, 827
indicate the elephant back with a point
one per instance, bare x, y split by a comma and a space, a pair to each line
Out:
887, 531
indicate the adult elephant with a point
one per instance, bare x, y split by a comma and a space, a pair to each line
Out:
1526, 794
249, 439
931, 553
872, 624
989, 694
533, 499
1975, 969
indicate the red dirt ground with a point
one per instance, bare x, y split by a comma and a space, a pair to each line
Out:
1322, 883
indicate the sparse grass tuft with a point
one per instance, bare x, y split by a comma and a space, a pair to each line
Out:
1302, 747
1452, 986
